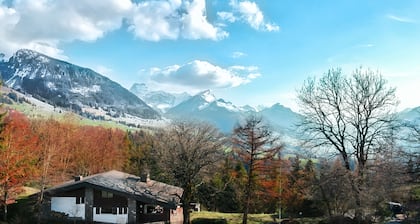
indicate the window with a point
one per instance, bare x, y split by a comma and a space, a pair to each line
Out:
80, 200
106, 194
107, 210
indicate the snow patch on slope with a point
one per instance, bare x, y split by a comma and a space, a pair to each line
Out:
84, 91
228, 105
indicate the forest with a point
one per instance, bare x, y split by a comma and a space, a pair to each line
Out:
362, 168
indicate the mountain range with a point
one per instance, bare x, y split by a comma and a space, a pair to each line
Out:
161, 101
88, 93
62, 84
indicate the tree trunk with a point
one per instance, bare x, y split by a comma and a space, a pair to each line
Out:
5, 206
247, 203
360, 181
186, 200
325, 199
5, 212
186, 213
248, 191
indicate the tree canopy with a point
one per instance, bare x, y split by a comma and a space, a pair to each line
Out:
350, 115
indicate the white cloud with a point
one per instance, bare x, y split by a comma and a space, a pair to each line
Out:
238, 54
156, 20
172, 19
400, 19
198, 75
42, 25
248, 12
195, 25
227, 16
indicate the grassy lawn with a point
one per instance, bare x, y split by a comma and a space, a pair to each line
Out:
233, 218
236, 218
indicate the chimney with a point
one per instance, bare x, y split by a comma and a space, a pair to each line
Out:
145, 177
78, 178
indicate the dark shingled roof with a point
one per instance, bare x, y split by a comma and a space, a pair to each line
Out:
127, 185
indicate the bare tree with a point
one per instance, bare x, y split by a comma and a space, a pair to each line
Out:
332, 187
184, 150
255, 144
353, 115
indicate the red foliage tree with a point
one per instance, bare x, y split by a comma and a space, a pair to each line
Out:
257, 146
18, 156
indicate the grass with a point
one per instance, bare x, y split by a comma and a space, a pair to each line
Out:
33, 112
233, 218
236, 218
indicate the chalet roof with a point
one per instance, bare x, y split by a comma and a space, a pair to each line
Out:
126, 185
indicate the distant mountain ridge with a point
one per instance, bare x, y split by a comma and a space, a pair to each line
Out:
158, 100
70, 86
53, 84
225, 115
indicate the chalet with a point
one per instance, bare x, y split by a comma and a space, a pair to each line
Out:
116, 197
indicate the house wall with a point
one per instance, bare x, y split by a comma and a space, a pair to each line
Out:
109, 207
115, 201
101, 206
177, 216
109, 218
68, 206
149, 213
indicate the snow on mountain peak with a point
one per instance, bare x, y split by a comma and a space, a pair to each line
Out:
228, 105
207, 96
26, 54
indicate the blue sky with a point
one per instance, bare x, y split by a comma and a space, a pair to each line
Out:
256, 52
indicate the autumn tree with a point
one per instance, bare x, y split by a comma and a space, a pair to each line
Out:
17, 153
299, 187
222, 190
268, 187
352, 115
105, 146
184, 150
50, 143
255, 144
140, 154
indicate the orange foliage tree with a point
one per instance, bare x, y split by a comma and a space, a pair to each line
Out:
18, 156
69, 149
98, 149
257, 146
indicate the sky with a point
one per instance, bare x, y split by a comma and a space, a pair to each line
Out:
255, 52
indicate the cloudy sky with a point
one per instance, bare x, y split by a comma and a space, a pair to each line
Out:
256, 52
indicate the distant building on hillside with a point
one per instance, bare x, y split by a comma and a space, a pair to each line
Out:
116, 197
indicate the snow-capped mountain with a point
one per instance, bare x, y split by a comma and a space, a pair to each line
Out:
62, 84
158, 100
224, 115
206, 107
